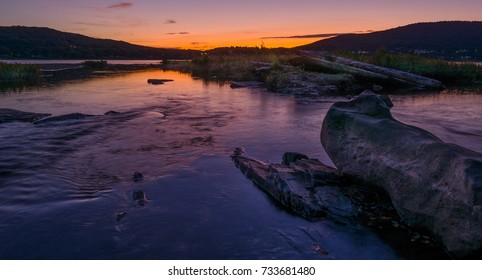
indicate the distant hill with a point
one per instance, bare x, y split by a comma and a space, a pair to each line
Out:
448, 39
20, 42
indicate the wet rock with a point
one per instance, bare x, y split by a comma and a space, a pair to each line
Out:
112, 113
433, 185
67, 117
315, 192
10, 115
319, 249
139, 197
304, 186
137, 177
242, 84
335, 202
290, 157
158, 81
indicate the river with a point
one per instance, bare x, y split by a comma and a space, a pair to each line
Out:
66, 188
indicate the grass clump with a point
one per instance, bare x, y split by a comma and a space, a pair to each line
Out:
17, 73
18, 76
231, 67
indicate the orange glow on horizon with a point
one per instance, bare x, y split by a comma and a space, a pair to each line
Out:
209, 41
268, 43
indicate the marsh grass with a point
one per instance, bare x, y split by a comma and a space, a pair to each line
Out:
446, 71
18, 76
95, 64
14, 73
232, 67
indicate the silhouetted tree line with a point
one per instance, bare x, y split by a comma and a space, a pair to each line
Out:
449, 40
17, 42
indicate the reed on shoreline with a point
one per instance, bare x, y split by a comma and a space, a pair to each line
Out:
232, 67
19, 73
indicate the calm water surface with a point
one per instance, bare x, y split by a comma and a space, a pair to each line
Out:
78, 61
63, 185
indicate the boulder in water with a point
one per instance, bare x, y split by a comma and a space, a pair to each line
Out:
432, 184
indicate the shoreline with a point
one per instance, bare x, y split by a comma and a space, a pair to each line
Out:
282, 74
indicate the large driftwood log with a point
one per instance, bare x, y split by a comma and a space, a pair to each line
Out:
392, 73
341, 68
388, 73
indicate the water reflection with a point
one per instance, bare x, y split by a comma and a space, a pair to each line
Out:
455, 116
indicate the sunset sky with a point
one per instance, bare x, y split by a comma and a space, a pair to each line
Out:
213, 23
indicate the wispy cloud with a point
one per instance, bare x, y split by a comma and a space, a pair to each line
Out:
121, 5
170, 21
89, 23
177, 33
201, 46
118, 22
325, 35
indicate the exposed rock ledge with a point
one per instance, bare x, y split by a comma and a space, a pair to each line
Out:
305, 186
432, 184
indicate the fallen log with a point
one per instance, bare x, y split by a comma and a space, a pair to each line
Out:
392, 73
341, 68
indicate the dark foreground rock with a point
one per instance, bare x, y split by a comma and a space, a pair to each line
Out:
305, 186
67, 117
433, 185
243, 84
315, 191
10, 115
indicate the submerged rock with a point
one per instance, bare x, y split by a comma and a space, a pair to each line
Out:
139, 197
303, 185
433, 185
243, 84
112, 113
137, 176
11, 115
120, 215
67, 117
